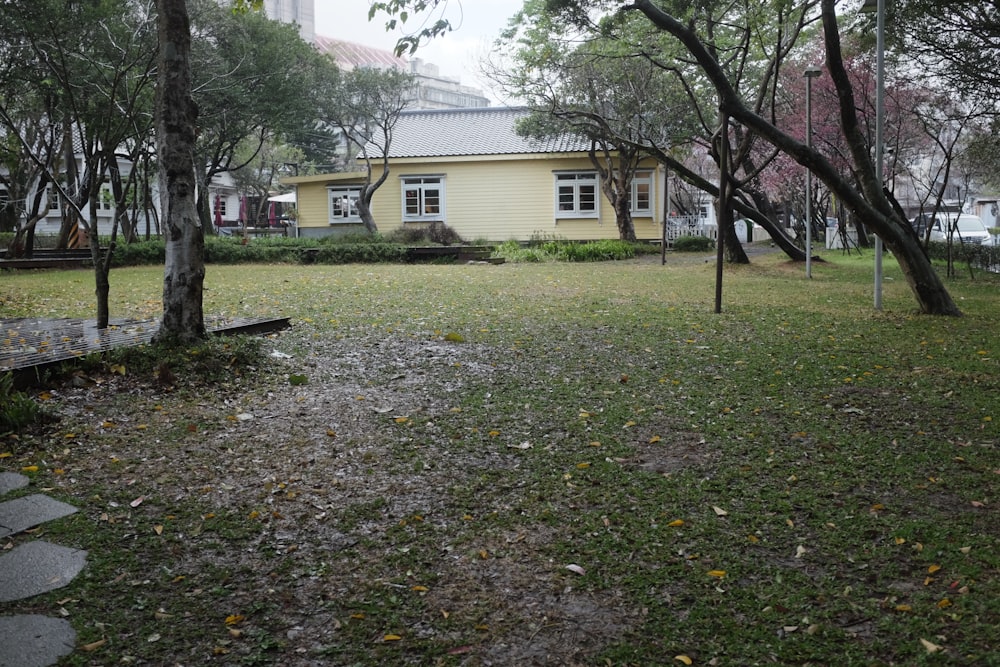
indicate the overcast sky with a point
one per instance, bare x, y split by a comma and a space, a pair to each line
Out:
476, 24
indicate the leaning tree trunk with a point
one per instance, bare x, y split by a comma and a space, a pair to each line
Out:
870, 206
176, 115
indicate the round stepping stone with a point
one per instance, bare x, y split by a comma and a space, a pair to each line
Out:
37, 567
32, 640
23, 513
11, 481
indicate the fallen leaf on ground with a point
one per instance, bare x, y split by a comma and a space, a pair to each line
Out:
930, 646
572, 567
93, 646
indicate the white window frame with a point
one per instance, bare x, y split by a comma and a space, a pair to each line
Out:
577, 194
105, 200
642, 177
337, 212
423, 198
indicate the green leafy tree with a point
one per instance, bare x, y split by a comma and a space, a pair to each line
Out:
92, 64
622, 81
253, 82
363, 105
867, 201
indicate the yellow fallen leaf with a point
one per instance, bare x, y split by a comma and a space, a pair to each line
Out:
655, 439
930, 646
235, 619
158, 529
903, 607
900, 540
753, 538
719, 511
944, 603
391, 638
676, 523
93, 646
29, 469
933, 568
359, 616
6, 455
718, 574
683, 658
419, 589
583, 465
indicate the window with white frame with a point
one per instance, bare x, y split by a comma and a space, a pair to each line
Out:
423, 198
53, 197
344, 204
641, 193
576, 194
105, 199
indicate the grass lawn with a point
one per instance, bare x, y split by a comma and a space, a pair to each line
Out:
535, 464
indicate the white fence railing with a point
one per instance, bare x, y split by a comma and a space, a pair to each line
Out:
689, 225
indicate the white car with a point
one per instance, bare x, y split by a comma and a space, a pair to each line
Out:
992, 240
965, 227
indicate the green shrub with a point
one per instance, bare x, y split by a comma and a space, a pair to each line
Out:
17, 409
977, 255
541, 249
352, 238
693, 244
436, 233
359, 253
598, 251
139, 253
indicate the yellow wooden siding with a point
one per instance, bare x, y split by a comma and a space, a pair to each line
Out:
495, 199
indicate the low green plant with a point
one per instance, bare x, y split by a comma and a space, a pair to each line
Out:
139, 253
354, 253
436, 233
17, 409
215, 359
693, 244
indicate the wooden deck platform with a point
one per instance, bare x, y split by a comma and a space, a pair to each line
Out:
28, 345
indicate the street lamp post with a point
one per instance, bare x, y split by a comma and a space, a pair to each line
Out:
810, 74
878, 6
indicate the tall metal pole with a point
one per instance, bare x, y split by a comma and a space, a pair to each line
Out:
810, 74
723, 219
879, 131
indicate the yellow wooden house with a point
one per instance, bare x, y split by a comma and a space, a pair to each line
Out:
469, 169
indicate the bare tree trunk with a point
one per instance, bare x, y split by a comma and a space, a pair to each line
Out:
176, 116
870, 204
